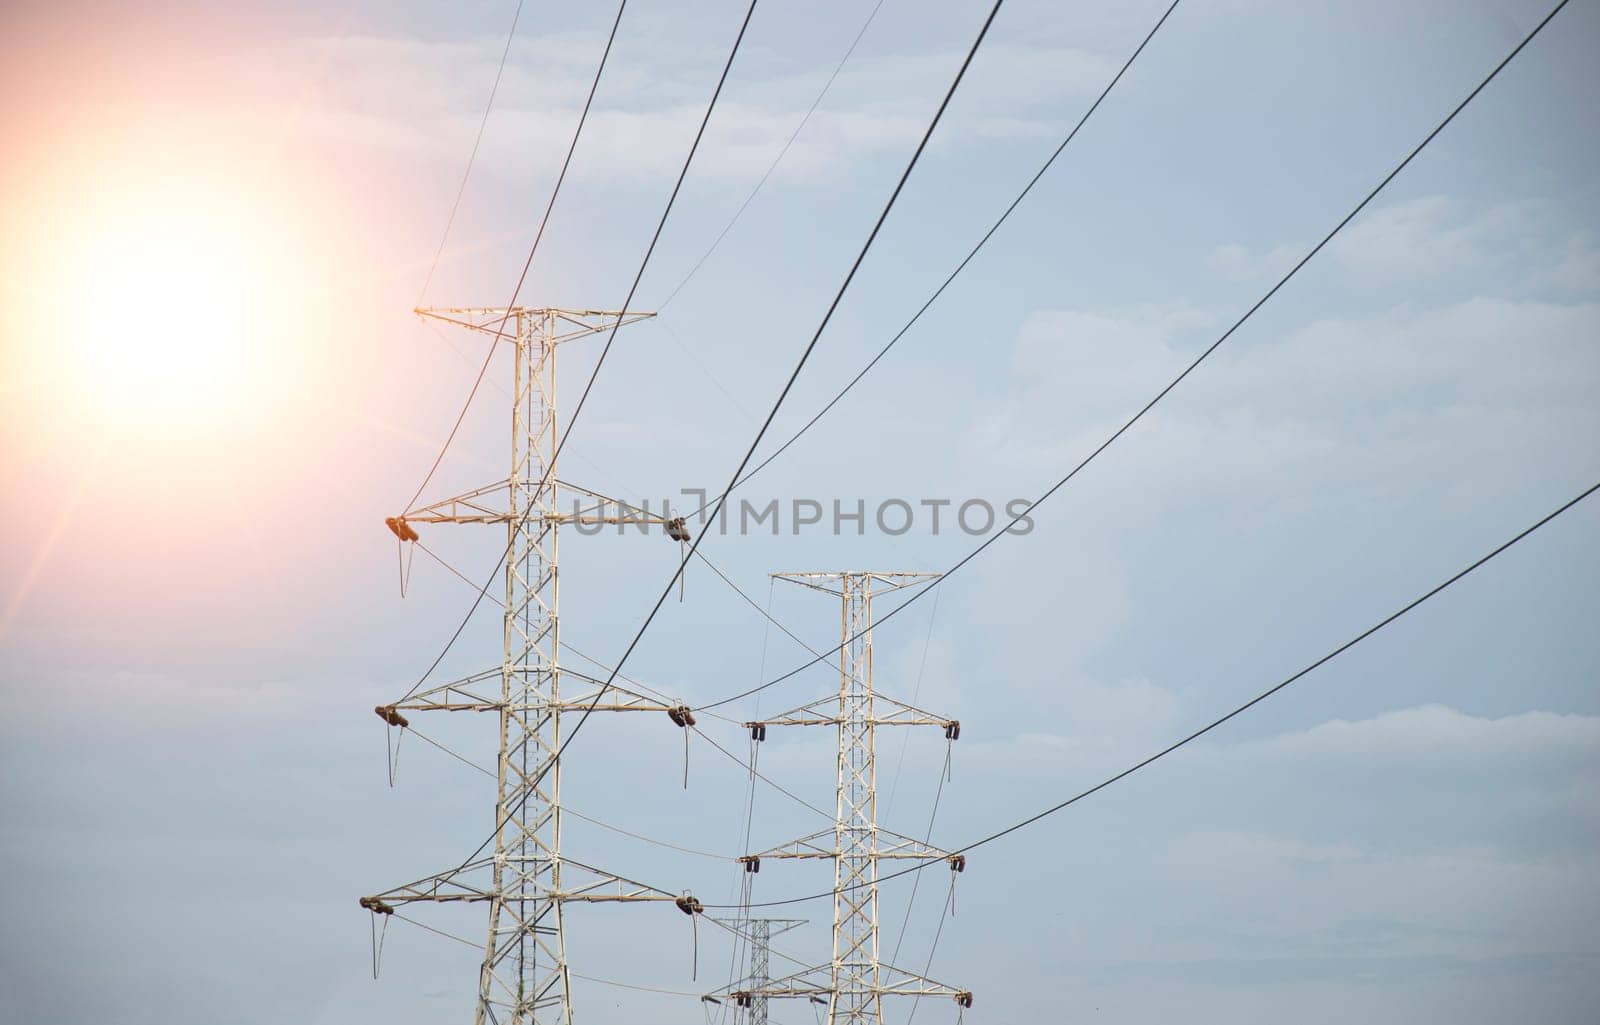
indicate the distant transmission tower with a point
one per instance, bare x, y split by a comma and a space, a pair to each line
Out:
758, 932
527, 881
855, 982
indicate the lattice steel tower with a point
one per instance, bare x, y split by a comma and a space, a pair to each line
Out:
758, 932
855, 982
527, 881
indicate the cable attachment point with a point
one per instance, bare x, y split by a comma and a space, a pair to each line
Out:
376, 905
388, 714
758, 730
682, 716
690, 905
401, 529
952, 730
751, 862
677, 530
743, 998
958, 862
964, 998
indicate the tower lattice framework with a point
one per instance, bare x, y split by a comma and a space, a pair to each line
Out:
758, 933
856, 980
527, 881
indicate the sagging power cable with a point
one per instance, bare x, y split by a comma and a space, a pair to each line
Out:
568, 646
499, 331
794, 375
576, 975
472, 157
1167, 389
770, 169
544, 482
983, 241
1294, 677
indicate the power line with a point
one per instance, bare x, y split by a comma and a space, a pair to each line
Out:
765, 613
472, 158
588, 385
1004, 216
1241, 709
533, 784
916, 692
640, 836
463, 759
772, 167
1386, 621
949, 902
576, 975
672, 199
927, 838
751, 769
469, 763
499, 331
744, 882
794, 374
1204, 355
645, 687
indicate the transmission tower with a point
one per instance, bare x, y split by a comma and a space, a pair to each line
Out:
758, 932
855, 982
527, 881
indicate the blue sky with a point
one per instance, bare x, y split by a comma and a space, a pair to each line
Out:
194, 788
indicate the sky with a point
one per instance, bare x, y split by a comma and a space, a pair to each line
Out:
219, 218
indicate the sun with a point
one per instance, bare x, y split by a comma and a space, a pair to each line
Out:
152, 300
170, 299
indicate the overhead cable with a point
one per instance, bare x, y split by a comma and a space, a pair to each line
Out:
472, 157
544, 482
1167, 389
1239, 710
789, 384
499, 331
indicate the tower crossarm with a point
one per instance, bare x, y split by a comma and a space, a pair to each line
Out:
745, 927
830, 582
470, 882
485, 505
470, 694
808, 982
825, 844
574, 324
886, 712
898, 982
594, 886
815, 982
612, 697
473, 882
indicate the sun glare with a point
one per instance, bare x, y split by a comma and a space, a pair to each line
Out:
158, 305
167, 330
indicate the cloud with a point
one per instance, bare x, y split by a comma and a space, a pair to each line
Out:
1438, 740
1520, 246
1366, 394
1417, 847
1239, 263
424, 99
